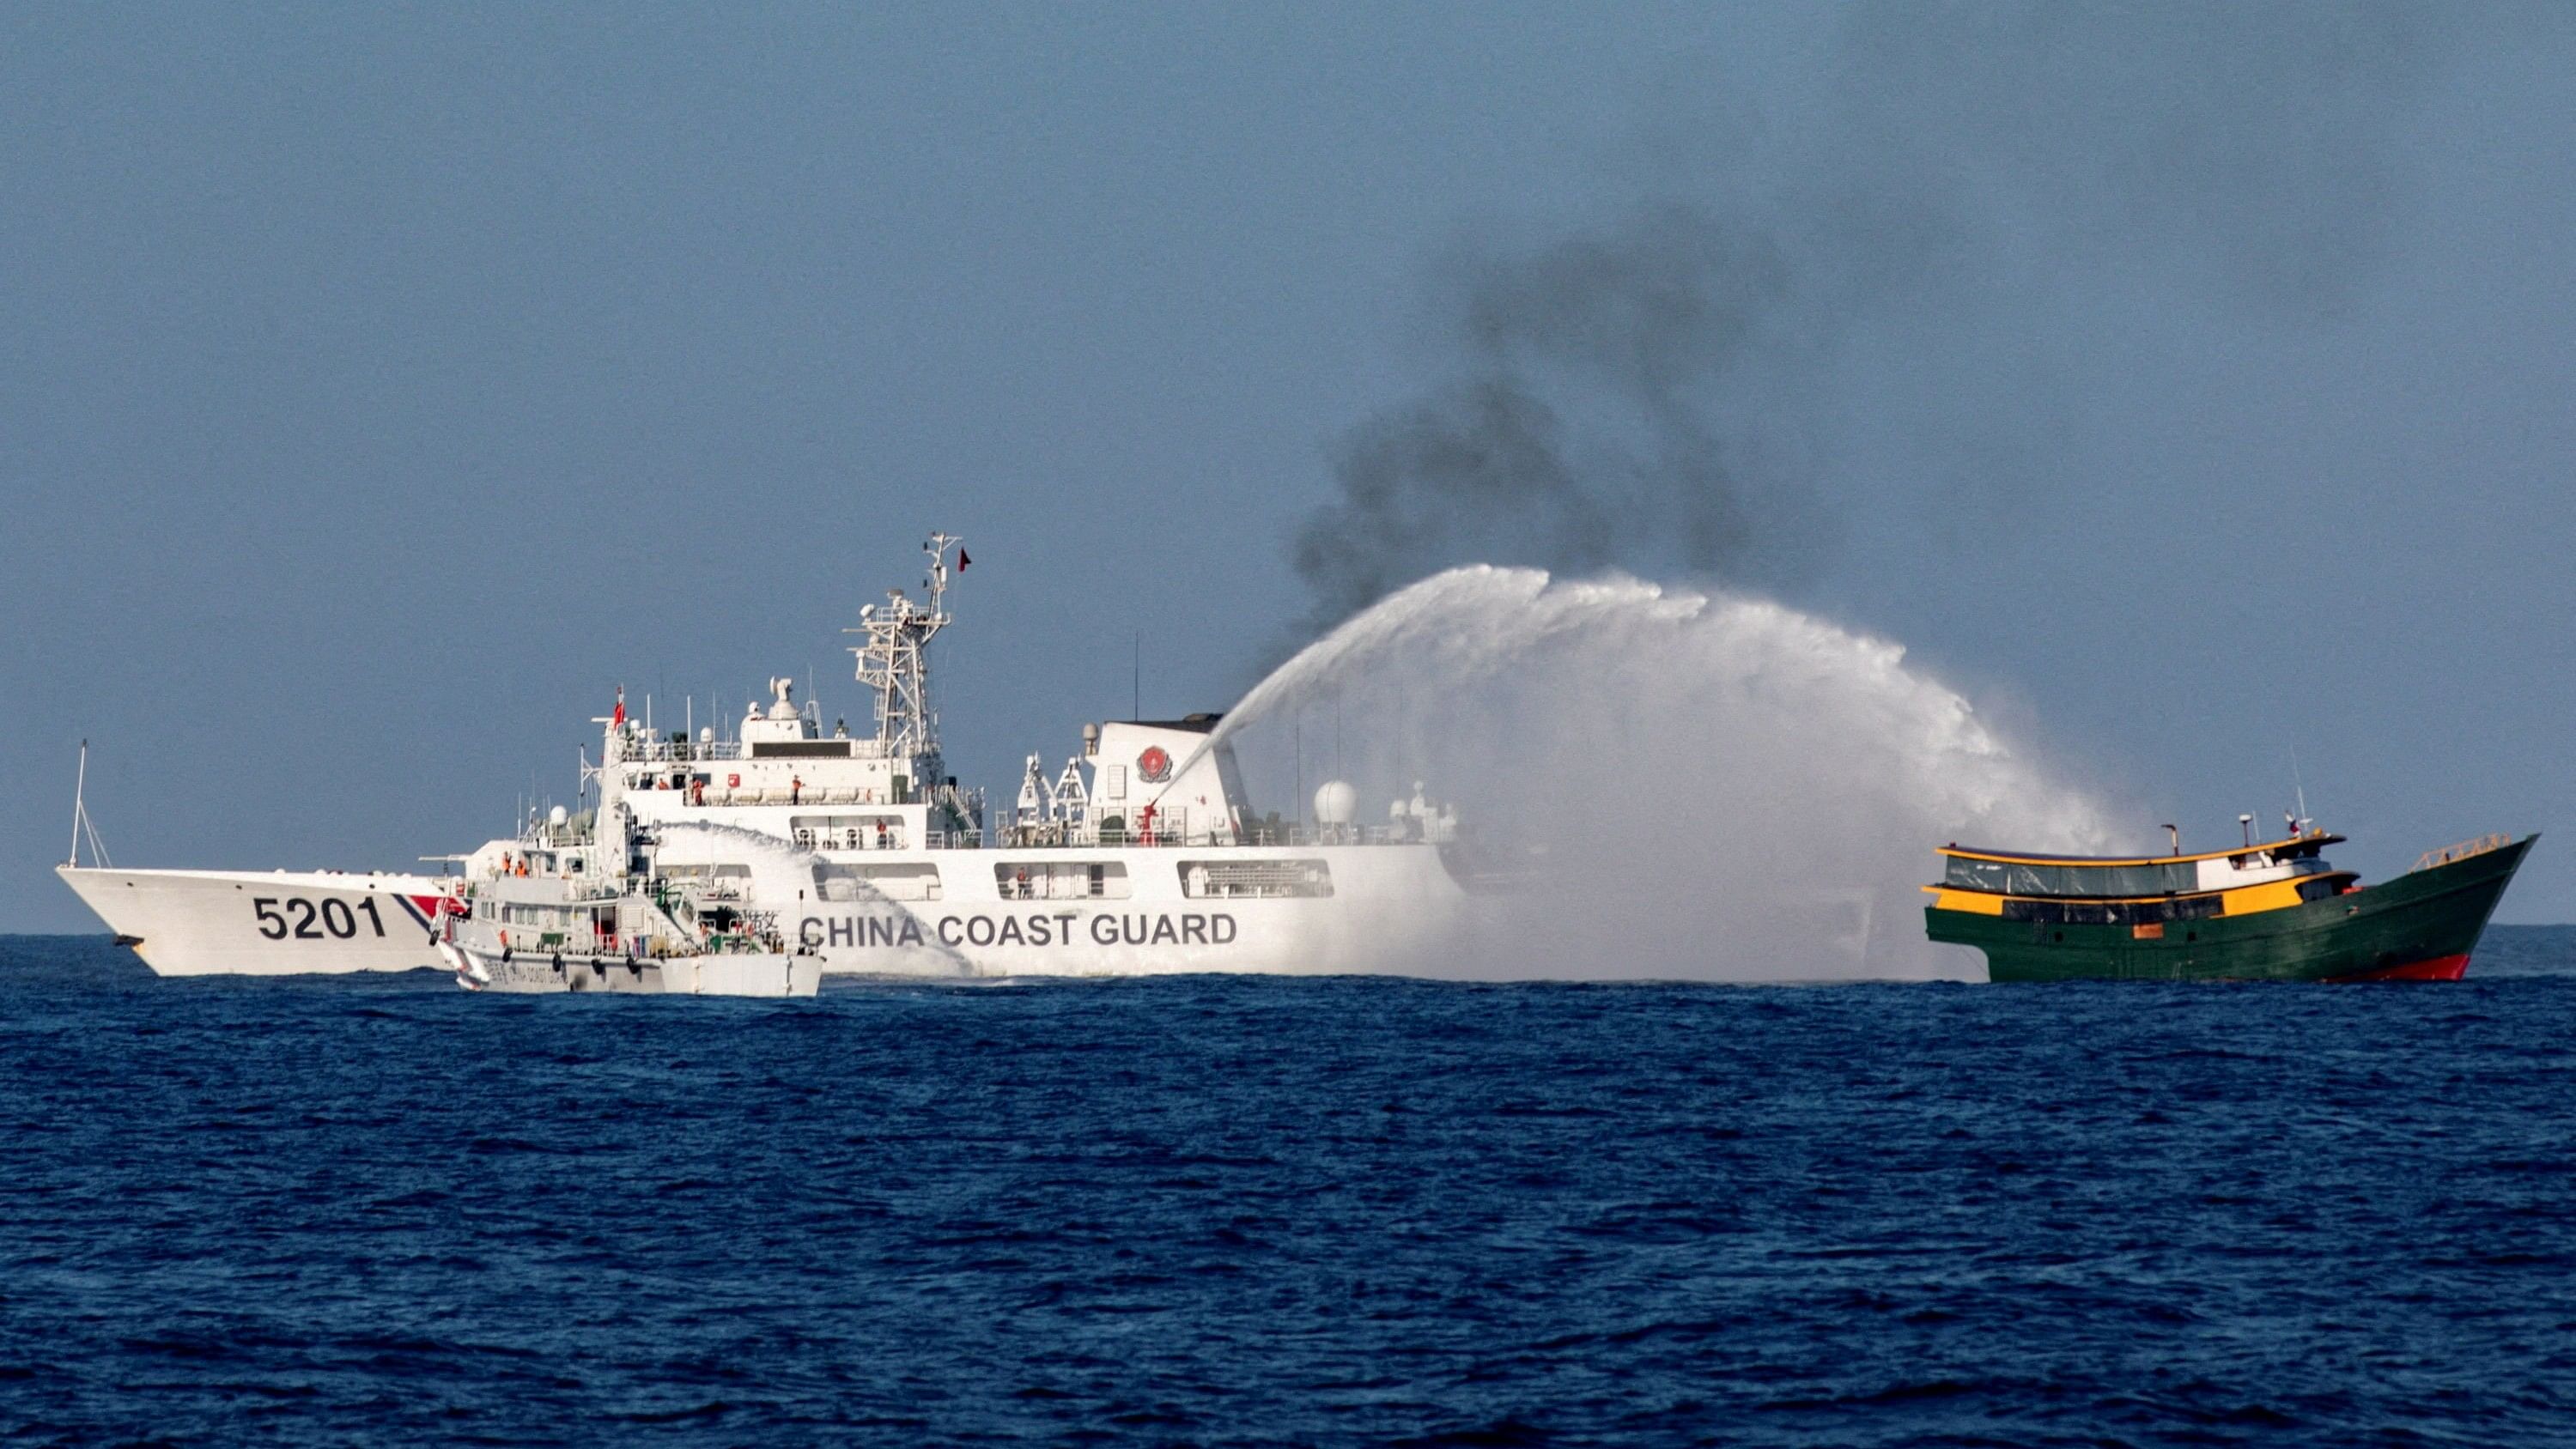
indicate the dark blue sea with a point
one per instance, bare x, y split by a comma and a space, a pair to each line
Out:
1342, 1211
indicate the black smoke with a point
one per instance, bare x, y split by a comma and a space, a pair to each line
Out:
1964, 199
1580, 423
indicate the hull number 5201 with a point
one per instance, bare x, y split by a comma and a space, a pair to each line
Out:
303, 921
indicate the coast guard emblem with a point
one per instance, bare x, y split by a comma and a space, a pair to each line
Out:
1155, 765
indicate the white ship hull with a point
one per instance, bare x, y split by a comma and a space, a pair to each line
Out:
266, 923
1393, 908
981, 913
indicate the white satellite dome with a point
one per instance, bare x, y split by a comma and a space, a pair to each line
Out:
557, 816
1336, 802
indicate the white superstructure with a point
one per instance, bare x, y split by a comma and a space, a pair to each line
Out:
861, 853
1140, 855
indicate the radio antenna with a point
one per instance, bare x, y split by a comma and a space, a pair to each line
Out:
2298, 787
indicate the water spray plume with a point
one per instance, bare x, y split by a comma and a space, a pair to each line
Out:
1691, 785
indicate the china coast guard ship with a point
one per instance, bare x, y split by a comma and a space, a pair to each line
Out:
710, 863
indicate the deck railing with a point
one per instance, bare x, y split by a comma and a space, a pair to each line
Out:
678, 752
1199, 837
683, 752
2461, 851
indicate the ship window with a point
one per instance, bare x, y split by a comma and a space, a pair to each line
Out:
907, 881
800, 749
1117, 787
1061, 880
849, 832
686, 871
2315, 890
2112, 913
1226, 879
2024, 879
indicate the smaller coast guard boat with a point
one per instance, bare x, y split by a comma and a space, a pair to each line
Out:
2274, 911
723, 969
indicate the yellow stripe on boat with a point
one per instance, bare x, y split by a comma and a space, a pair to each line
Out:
2272, 896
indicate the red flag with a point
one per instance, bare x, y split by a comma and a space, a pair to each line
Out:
619, 717
962, 560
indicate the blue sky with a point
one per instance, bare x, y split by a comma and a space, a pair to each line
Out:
381, 387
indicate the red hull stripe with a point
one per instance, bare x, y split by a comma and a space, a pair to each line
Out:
427, 909
2440, 968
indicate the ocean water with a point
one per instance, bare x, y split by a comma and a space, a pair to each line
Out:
1279, 1211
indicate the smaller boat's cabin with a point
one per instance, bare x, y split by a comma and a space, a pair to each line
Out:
2135, 877
2080, 888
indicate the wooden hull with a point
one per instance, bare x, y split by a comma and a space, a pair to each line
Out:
2420, 926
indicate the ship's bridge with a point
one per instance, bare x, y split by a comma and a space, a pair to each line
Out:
779, 756
1169, 782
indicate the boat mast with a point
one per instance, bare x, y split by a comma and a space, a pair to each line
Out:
895, 660
80, 784
81, 825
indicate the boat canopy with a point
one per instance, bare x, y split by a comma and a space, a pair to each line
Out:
2127, 881
2117, 877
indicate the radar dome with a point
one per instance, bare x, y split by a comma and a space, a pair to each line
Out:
557, 816
1335, 802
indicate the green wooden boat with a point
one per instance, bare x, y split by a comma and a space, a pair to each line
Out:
2274, 911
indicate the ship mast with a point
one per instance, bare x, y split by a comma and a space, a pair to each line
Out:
80, 788
82, 825
895, 662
